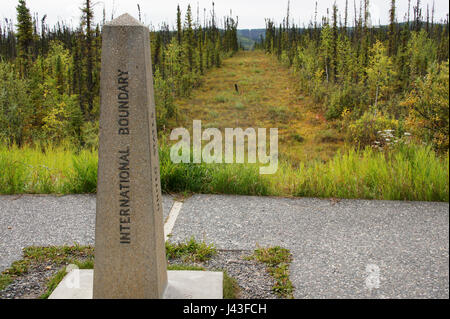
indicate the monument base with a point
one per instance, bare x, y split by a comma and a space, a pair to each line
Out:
78, 284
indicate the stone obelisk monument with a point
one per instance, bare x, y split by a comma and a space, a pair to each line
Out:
130, 259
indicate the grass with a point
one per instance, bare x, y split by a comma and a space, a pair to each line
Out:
279, 114
277, 260
190, 251
53, 283
60, 170
409, 173
239, 179
58, 255
18, 268
414, 173
230, 287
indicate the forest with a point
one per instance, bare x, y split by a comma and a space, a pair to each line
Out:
383, 84
363, 109
49, 86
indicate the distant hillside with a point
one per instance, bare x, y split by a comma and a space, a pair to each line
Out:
244, 35
252, 34
246, 43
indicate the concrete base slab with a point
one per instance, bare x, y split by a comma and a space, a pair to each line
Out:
194, 285
78, 284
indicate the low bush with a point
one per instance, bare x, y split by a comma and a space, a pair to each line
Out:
364, 131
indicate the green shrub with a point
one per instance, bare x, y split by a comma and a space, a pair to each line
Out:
90, 135
429, 107
364, 131
341, 99
239, 106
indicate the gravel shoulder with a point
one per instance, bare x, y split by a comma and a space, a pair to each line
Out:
333, 242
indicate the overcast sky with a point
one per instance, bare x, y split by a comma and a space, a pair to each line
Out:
251, 13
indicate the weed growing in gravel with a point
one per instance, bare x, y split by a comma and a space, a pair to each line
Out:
185, 267
277, 260
190, 251
53, 283
5, 281
58, 255
18, 268
56, 279
230, 287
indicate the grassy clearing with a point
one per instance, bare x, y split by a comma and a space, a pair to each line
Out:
262, 101
277, 260
407, 173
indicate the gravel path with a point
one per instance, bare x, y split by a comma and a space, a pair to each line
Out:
404, 244
333, 243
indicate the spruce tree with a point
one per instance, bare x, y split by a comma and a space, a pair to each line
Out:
24, 35
334, 45
179, 28
189, 39
392, 33
88, 16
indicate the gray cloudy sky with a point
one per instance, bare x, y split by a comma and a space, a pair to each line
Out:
251, 12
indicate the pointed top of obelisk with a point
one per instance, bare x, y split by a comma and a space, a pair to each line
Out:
125, 20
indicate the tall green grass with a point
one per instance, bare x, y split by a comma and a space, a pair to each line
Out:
238, 179
408, 173
55, 170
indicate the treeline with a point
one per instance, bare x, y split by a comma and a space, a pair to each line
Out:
49, 76
378, 82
